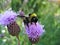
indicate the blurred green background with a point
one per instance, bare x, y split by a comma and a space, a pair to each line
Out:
48, 14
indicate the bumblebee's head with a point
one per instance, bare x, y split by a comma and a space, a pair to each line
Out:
33, 17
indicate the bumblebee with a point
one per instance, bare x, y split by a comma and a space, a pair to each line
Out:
33, 17
26, 21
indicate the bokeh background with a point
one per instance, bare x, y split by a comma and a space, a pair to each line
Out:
48, 12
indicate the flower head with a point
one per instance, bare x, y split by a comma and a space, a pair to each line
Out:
34, 30
21, 13
7, 18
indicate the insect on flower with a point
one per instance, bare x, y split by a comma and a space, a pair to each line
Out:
34, 30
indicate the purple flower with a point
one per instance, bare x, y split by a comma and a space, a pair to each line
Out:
21, 13
34, 30
7, 18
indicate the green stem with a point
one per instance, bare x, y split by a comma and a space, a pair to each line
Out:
18, 40
33, 44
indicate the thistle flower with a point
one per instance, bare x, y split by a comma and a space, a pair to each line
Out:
21, 13
7, 18
34, 31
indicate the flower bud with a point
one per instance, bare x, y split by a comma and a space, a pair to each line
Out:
13, 29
